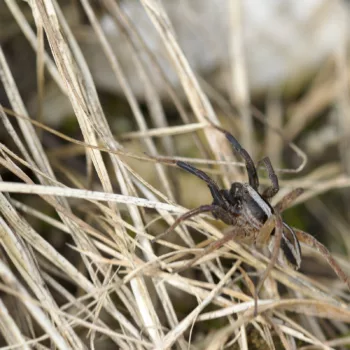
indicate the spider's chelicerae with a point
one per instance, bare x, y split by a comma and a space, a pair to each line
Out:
252, 218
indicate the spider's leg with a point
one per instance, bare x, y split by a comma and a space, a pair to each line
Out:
185, 216
286, 201
311, 241
277, 220
227, 214
289, 242
274, 188
210, 248
290, 246
214, 189
251, 170
265, 231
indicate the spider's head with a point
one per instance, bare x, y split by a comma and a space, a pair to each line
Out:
244, 193
246, 197
236, 192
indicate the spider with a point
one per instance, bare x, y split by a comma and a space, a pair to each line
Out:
252, 218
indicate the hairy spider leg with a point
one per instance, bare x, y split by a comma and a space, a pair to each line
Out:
274, 188
290, 246
278, 238
214, 189
216, 210
211, 247
218, 204
185, 216
289, 242
251, 170
311, 241
288, 199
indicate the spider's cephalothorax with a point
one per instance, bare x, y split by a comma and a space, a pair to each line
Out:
254, 210
245, 208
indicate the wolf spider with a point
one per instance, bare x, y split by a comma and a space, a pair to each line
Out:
252, 218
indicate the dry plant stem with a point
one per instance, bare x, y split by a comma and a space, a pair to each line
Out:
288, 199
265, 232
273, 260
149, 317
239, 88
121, 78
33, 144
331, 219
54, 37
152, 97
36, 312
311, 241
16, 187
261, 117
119, 152
145, 157
274, 116
164, 131
33, 41
212, 247
170, 338
309, 107
197, 99
119, 15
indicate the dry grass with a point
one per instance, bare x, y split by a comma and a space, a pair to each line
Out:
100, 282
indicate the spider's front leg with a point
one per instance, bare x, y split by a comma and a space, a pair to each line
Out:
251, 169
214, 190
217, 211
185, 216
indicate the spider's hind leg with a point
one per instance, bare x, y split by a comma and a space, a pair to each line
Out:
311, 241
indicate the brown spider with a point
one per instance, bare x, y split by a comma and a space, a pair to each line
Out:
253, 219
